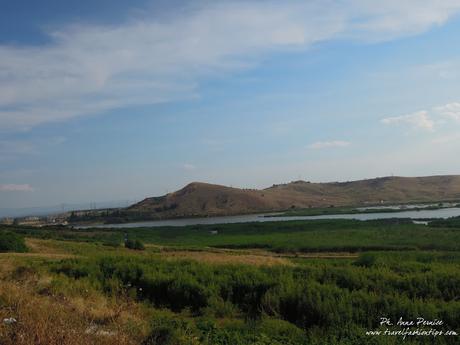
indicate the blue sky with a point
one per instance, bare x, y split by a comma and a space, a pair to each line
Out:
110, 100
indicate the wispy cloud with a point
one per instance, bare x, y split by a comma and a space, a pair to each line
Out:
189, 167
445, 70
394, 18
419, 119
92, 69
13, 149
329, 144
16, 147
450, 111
16, 188
427, 119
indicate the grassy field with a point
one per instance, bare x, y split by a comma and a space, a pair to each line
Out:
315, 282
292, 236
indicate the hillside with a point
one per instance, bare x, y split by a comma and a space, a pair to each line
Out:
202, 199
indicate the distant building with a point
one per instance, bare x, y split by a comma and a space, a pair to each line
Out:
57, 219
7, 221
30, 221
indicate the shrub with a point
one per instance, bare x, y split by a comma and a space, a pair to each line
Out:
134, 244
11, 242
169, 330
111, 243
366, 260
324, 303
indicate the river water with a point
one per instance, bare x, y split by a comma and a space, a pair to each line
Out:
440, 213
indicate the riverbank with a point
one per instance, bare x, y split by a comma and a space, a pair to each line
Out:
440, 213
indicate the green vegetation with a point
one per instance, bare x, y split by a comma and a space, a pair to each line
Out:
316, 302
453, 222
11, 242
320, 211
292, 236
402, 270
134, 244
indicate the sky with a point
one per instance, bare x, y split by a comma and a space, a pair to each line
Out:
107, 100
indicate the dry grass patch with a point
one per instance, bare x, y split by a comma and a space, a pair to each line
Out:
46, 249
257, 257
50, 310
36, 245
40, 320
53, 320
333, 255
221, 258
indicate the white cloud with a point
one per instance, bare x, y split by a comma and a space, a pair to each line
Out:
394, 18
419, 119
91, 69
450, 111
428, 119
16, 188
329, 144
189, 167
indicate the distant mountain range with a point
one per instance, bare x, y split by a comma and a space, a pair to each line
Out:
203, 199
56, 209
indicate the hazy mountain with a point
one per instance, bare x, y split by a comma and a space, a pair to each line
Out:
46, 210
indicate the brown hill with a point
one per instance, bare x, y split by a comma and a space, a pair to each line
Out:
203, 199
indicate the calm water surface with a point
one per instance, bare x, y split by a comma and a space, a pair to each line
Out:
441, 213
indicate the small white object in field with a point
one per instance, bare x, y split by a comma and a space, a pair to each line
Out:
9, 321
91, 329
94, 329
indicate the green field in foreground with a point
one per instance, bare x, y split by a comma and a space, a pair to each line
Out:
188, 288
